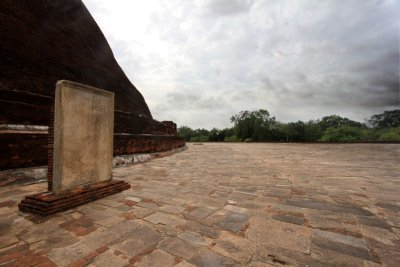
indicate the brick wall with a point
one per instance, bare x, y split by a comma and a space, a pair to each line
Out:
20, 150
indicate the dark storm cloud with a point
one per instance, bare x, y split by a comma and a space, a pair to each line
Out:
199, 62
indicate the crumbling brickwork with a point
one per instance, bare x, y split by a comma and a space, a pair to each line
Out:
46, 41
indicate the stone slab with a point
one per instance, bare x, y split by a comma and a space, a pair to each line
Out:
281, 234
83, 136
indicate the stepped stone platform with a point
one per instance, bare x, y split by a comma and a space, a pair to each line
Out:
225, 205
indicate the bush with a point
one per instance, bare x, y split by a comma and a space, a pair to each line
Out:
342, 134
232, 138
390, 135
201, 138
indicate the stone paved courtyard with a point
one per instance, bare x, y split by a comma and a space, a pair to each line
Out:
225, 205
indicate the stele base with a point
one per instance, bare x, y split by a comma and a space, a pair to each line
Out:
47, 203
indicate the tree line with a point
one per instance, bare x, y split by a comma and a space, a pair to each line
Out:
260, 126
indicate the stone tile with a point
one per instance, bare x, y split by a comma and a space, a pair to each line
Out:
138, 241
100, 239
110, 221
288, 208
280, 234
108, 203
56, 239
199, 213
321, 205
332, 258
233, 222
125, 208
66, 255
157, 258
344, 239
374, 222
164, 218
241, 196
324, 222
8, 240
382, 235
389, 257
207, 258
39, 233
215, 217
171, 209
184, 264
103, 214
135, 199
277, 256
278, 192
204, 177
289, 219
201, 229
124, 227
341, 244
389, 206
195, 238
142, 212
178, 247
107, 259
235, 209
237, 248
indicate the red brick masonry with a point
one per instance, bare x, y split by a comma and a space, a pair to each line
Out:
47, 203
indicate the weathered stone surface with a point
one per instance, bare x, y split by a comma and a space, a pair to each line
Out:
289, 219
320, 173
157, 258
8, 240
164, 218
178, 247
237, 248
83, 136
108, 259
341, 244
194, 238
125, 227
321, 205
201, 229
233, 221
280, 234
138, 241
207, 258
66, 255
374, 222
100, 239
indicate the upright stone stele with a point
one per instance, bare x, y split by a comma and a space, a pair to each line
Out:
80, 151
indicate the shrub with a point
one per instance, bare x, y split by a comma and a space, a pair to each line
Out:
232, 138
390, 135
342, 134
201, 138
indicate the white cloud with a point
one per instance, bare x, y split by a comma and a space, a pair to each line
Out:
199, 62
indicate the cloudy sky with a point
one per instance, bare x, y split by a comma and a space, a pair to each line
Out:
198, 62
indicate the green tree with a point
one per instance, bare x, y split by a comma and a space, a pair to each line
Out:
337, 121
312, 131
296, 131
252, 124
185, 132
387, 119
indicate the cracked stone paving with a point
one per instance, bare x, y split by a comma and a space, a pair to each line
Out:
225, 205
